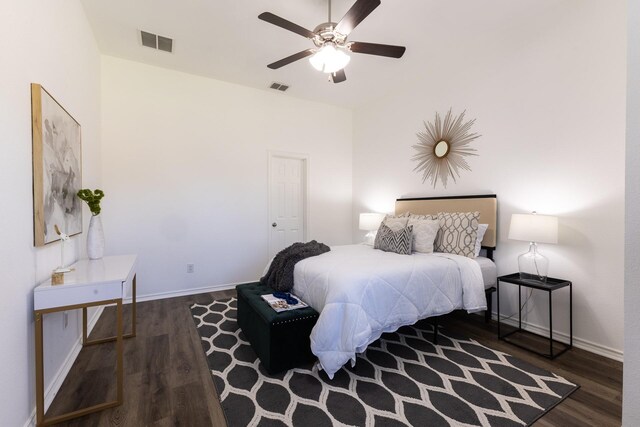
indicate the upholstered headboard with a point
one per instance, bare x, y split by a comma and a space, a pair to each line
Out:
486, 204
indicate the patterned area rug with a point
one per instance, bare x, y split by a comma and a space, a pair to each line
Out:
402, 379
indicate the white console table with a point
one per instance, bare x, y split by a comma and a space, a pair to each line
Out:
91, 283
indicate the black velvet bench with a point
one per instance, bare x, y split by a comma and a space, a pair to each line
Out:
281, 340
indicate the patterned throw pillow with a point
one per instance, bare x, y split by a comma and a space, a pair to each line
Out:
402, 215
395, 222
458, 233
414, 216
424, 233
394, 241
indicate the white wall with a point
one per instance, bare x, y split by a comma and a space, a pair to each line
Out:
631, 383
185, 173
48, 43
548, 92
185, 165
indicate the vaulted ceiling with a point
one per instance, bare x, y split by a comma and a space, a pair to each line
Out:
225, 40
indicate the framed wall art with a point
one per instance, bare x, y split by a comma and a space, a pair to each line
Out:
57, 168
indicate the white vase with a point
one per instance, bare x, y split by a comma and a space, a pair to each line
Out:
95, 238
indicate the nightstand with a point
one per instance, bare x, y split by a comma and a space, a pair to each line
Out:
549, 286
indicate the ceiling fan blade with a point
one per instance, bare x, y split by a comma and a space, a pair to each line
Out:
287, 25
378, 49
338, 76
290, 59
360, 10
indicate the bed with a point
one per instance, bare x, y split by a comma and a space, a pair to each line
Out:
361, 292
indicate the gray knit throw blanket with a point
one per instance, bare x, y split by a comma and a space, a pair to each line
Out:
280, 273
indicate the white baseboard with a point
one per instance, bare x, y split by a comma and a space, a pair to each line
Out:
589, 346
185, 292
51, 391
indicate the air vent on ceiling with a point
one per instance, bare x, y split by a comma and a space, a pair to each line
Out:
155, 41
279, 86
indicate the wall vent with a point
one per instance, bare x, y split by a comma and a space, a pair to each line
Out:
155, 41
279, 86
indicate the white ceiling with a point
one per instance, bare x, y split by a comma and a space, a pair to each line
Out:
225, 40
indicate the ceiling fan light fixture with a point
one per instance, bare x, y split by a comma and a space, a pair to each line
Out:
328, 59
331, 52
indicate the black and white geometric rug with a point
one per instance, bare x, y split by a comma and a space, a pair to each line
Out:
401, 379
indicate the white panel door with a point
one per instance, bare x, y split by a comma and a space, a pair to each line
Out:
287, 185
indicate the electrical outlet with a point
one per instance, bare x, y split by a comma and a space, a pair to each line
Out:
190, 268
65, 319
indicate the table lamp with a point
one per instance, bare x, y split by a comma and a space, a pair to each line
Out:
370, 222
533, 228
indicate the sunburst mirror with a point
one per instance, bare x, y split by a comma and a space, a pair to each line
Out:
442, 148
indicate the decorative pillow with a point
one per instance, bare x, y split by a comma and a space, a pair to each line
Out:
402, 215
458, 233
482, 229
424, 233
394, 241
433, 217
395, 222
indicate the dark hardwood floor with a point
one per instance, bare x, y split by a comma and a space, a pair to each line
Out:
167, 382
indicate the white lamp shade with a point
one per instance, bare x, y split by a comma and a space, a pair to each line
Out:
370, 221
534, 228
329, 59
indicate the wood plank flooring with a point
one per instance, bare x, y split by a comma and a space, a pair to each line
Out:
167, 381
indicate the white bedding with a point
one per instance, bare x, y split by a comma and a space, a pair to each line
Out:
489, 271
361, 292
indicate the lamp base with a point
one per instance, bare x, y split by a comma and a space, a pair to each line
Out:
533, 265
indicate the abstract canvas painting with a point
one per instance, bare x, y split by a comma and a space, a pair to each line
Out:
57, 168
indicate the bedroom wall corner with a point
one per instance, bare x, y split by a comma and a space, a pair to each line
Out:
547, 90
50, 43
631, 372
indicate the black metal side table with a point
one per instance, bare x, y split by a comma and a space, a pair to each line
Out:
549, 286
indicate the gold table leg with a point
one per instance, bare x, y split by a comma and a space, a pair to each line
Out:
41, 421
85, 340
119, 352
133, 308
39, 372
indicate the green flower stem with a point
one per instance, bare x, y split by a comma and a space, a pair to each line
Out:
92, 198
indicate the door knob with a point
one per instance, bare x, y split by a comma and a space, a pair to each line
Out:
274, 225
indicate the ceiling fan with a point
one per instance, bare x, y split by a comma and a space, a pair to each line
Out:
330, 40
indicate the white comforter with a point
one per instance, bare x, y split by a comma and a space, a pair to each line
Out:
361, 292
